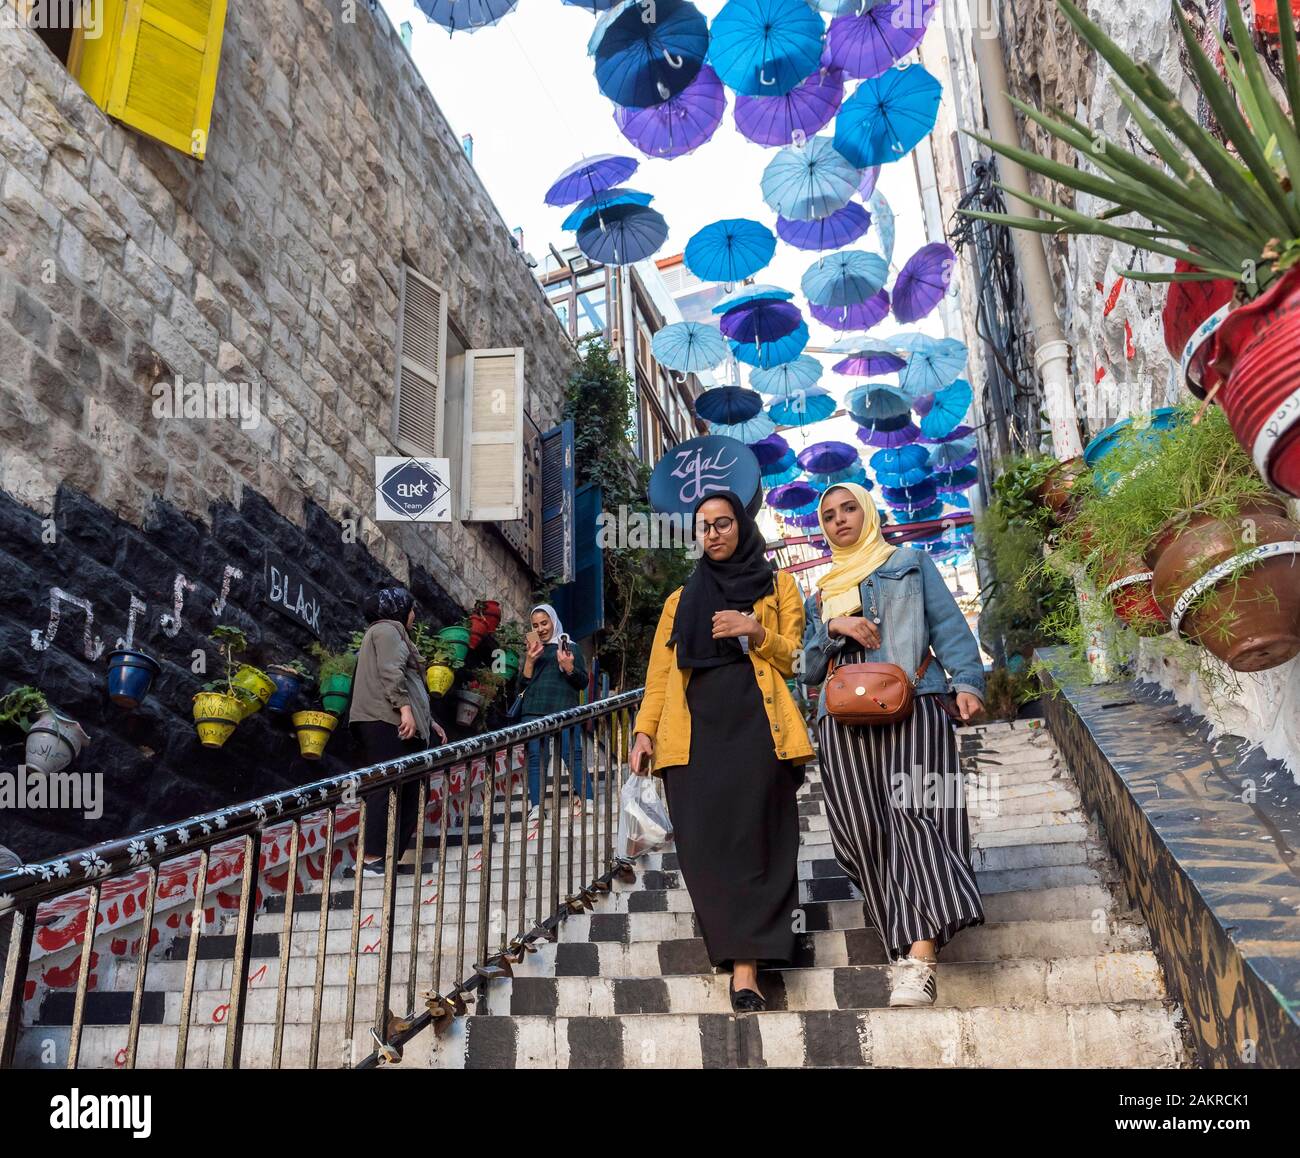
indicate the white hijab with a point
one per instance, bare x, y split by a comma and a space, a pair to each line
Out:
557, 628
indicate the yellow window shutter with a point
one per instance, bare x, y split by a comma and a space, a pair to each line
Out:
159, 74
421, 366
492, 465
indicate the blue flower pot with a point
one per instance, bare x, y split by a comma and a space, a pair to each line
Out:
130, 676
1154, 426
287, 686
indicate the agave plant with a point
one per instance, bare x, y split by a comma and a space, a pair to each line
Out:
1229, 216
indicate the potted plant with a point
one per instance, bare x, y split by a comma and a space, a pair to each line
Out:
313, 730
1227, 213
53, 739
490, 610
223, 703
457, 640
289, 679
336, 669
440, 674
508, 657
131, 673
481, 691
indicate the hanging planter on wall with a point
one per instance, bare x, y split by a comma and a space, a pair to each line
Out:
456, 639
1147, 427
314, 730
469, 704
438, 678
1132, 598
131, 673
1058, 484
335, 676
215, 716
289, 680
490, 610
257, 684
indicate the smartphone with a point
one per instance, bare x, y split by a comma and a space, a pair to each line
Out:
531, 638
565, 643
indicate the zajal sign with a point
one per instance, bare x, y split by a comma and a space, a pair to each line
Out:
695, 469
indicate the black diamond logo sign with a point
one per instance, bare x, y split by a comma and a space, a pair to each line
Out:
411, 488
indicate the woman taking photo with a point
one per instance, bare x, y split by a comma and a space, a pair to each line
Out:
729, 741
390, 714
553, 678
894, 793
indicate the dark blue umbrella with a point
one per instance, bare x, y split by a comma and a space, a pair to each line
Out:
623, 234
765, 47
596, 6
465, 15
875, 403
781, 470
642, 62
770, 450
760, 322
956, 480
799, 497
921, 494
728, 405
887, 116
604, 200
730, 250
828, 457
843, 227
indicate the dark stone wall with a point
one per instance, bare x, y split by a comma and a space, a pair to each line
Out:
155, 770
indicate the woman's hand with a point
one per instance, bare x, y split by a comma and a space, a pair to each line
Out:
969, 705
734, 624
855, 627
643, 749
535, 648
406, 727
437, 730
565, 660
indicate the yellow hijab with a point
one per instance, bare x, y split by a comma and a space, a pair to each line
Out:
850, 565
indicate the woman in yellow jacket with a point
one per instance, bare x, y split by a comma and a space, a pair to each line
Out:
727, 737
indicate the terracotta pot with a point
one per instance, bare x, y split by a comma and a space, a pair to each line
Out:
479, 629
1251, 618
53, 742
1056, 486
1128, 587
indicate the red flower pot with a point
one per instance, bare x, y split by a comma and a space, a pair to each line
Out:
479, 629
1129, 589
1255, 353
1188, 304
492, 613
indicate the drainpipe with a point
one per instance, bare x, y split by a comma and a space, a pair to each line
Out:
1052, 351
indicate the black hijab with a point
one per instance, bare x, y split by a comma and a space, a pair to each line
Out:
736, 584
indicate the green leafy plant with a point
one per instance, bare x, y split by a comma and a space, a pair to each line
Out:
1006, 690
510, 635
334, 663
486, 682
299, 668
230, 642
1230, 214
22, 706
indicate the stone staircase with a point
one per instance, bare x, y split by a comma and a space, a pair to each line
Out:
1061, 975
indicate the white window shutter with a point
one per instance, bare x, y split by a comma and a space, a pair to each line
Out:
421, 366
492, 463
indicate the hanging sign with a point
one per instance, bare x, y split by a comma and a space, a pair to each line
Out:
413, 490
693, 470
291, 593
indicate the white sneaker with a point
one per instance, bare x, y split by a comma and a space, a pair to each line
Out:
577, 807
913, 982
534, 813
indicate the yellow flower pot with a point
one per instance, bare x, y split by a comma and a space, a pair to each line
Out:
257, 683
313, 730
438, 678
215, 717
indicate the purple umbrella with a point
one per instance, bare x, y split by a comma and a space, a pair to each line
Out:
803, 520
589, 176
870, 175
793, 496
679, 125
869, 364
809, 106
882, 436
862, 316
870, 44
923, 282
770, 449
952, 436
843, 227
760, 322
827, 457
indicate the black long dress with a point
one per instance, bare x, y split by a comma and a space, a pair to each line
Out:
736, 821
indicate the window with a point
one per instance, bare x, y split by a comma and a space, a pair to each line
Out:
563, 311
591, 312
421, 366
152, 64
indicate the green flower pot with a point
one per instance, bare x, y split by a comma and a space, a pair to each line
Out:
335, 691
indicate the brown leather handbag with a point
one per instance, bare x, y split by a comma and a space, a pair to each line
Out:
871, 693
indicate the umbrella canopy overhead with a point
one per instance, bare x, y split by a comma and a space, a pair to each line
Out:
642, 62
744, 294
932, 364
870, 362
770, 450
952, 456
843, 227
590, 176
765, 47
596, 6
601, 201
861, 316
828, 457
814, 405
887, 116
956, 480
729, 405
920, 494
789, 378
803, 111
760, 322
867, 186
730, 250
923, 282
958, 432
882, 216
809, 181
622, 234
903, 466
765, 355
873, 403
679, 125
689, 347
845, 279
946, 409
796, 497
782, 470
869, 44
751, 430
889, 434
465, 15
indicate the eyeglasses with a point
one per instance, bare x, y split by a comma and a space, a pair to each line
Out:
722, 526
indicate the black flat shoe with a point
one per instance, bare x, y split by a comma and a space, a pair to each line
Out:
746, 1000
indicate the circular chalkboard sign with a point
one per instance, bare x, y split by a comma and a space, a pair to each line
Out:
693, 470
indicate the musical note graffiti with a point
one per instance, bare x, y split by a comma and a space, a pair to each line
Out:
41, 640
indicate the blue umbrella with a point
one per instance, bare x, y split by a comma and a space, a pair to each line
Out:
947, 409
874, 403
812, 180
773, 353
799, 498
956, 480
465, 15
642, 62
887, 116
962, 431
961, 502
623, 234
854, 474
729, 405
882, 217
782, 470
901, 466
826, 458
922, 515
933, 363
770, 450
605, 199
760, 322
765, 47
689, 347
592, 5
844, 279
804, 409
843, 227
788, 378
920, 494
950, 456
751, 430
730, 250
590, 176
745, 294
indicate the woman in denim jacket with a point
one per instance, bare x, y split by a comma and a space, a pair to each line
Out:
894, 794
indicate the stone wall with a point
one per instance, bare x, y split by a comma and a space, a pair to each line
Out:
276, 263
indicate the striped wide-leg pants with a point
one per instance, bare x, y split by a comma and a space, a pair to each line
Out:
895, 804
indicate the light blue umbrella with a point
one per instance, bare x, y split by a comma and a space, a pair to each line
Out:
952, 456
887, 116
933, 363
773, 352
765, 47
730, 250
812, 180
788, 378
745, 294
844, 279
604, 200
947, 409
873, 402
751, 430
813, 405
882, 218
689, 347
902, 466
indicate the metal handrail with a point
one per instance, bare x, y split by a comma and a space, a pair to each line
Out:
601, 764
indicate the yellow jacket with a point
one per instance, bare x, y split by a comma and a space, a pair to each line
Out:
665, 716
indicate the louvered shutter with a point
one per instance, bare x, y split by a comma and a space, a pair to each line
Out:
492, 464
421, 366
559, 561
158, 72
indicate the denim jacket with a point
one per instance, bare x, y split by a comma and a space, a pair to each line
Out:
916, 611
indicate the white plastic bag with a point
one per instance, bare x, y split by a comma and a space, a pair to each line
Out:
643, 824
